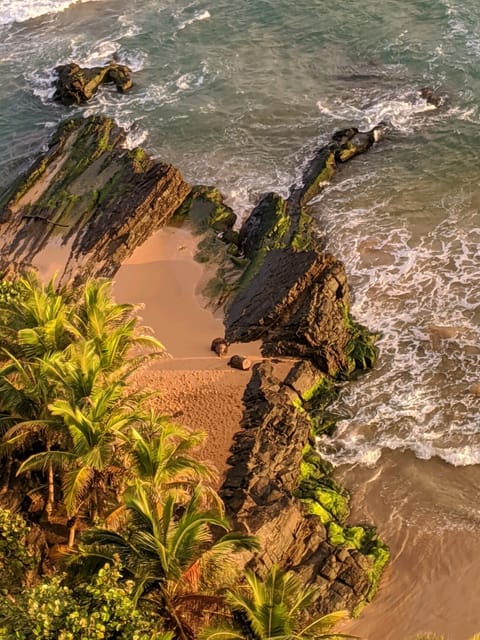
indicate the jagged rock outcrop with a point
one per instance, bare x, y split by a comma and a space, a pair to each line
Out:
295, 299
91, 195
297, 305
291, 295
100, 201
261, 487
76, 84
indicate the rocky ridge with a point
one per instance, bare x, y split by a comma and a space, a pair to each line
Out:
90, 194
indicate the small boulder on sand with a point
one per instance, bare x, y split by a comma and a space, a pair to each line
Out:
240, 362
220, 346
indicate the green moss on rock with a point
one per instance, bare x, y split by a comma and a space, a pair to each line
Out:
361, 350
324, 498
320, 179
141, 161
221, 218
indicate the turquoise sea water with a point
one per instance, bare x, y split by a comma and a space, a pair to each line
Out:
238, 95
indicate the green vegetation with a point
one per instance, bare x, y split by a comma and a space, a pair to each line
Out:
361, 350
273, 608
326, 499
101, 608
145, 550
16, 560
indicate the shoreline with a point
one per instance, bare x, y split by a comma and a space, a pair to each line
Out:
435, 549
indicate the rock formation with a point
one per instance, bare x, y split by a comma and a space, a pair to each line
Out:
76, 84
295, 299
265, 488
91, 195
101, 201
291, 295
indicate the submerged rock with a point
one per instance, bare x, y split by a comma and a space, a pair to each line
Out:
432, 97
90, 194
76, 84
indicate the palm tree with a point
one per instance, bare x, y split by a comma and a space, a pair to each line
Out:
274, 608
113, 329
38, 320
161, 457
95, 434
170, 552
61, 353
26, 390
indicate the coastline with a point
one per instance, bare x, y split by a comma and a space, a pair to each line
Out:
433, 578
203, 393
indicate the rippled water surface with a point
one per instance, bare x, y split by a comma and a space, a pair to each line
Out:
238, 95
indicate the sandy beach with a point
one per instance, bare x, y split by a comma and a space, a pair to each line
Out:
196, 387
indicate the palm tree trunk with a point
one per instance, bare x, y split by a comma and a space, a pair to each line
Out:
51, 492
180, 629
7, 472
72, 531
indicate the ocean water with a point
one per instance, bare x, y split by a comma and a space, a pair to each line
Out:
239, 95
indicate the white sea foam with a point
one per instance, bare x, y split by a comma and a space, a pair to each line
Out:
136, 134
398, 112
22, 10
201, 15
422, 292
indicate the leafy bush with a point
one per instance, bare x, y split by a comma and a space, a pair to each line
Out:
101, 609
15, 558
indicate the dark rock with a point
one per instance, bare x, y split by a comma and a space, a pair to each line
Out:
259, 495
296, 305
303, 377
432, 97
220, 346
76, 84
265, 226
240, 362
345, 145
90, 193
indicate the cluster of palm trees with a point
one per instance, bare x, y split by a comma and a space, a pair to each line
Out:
74, 430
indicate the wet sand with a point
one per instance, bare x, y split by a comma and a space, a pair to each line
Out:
428, 513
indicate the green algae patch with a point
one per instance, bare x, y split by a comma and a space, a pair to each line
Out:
205, 208
321, 392
365, 540
320, 494
328, 501
361, 349
24, 185
380, 555
318, 181
302, 238
141, 161
273, 225
221, 218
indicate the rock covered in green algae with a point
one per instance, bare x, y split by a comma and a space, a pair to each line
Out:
91, 194
76, 84
278, 483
